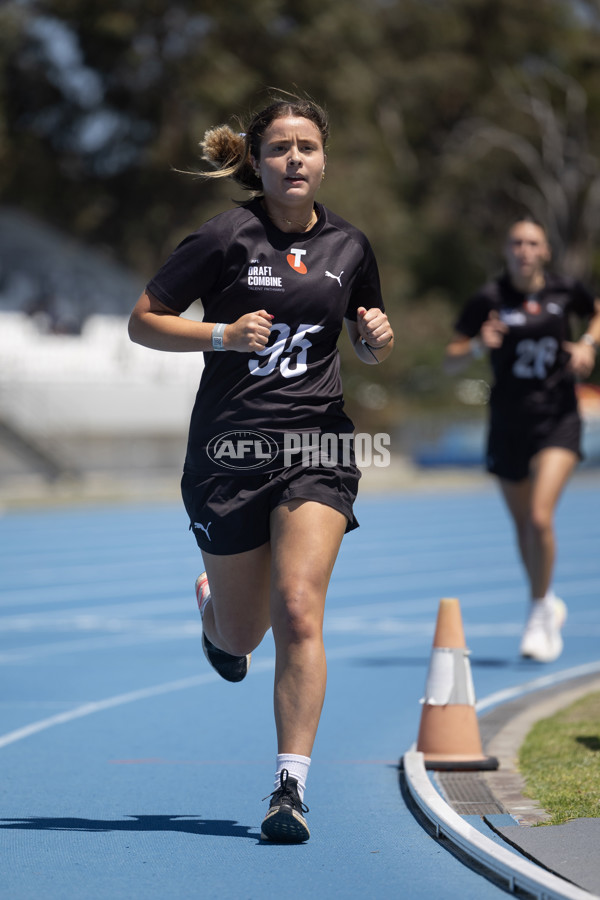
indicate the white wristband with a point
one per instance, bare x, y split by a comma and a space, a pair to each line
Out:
217, 336
371, 349
476, 348
589, 340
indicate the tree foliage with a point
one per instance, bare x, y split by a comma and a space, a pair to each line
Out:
449, 117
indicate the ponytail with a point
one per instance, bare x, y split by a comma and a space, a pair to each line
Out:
229, 153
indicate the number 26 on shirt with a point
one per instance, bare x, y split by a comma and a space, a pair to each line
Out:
535, 358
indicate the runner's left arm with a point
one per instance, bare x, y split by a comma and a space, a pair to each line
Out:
371, 335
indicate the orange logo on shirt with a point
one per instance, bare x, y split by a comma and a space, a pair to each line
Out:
533, 306
294, 259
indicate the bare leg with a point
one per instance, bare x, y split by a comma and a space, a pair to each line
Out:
517, 496
283, 584
238, 616
305, 540
552, 469
532, 505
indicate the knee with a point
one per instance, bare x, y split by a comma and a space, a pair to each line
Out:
541, 520
298, 615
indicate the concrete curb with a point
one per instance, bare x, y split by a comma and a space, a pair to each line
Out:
503, 731
504, 864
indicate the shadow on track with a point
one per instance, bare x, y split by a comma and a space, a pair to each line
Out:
189, 824
421, 662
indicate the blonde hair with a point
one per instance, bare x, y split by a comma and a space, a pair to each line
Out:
231, 153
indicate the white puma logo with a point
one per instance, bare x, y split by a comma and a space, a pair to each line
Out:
204, 528
338, 278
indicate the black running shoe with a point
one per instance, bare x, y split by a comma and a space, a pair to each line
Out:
231, 668
284, 823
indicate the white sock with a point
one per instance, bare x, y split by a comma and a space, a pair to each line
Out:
297, 767
547, 600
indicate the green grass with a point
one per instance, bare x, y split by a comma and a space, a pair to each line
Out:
560, 761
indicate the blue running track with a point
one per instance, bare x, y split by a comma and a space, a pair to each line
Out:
129, 770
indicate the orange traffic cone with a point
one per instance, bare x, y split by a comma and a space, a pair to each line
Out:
449, 733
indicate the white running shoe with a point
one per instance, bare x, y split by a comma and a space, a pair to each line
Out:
541, 639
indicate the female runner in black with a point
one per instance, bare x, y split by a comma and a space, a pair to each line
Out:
270, 478
534, 440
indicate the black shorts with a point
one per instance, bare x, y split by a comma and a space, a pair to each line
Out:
511, 445
231, 514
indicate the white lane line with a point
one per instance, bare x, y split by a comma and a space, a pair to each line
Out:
37, 652
265, 665
537, 684
61, 620
98, 591
394, 617
108, 616
87, 709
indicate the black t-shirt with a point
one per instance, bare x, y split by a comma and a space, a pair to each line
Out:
239, 262
531, 377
